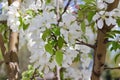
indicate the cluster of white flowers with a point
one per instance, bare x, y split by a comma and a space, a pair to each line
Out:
109, 17
3, 10
76, 74
69, 56
72, 73
70, 29
39, 56
13, 16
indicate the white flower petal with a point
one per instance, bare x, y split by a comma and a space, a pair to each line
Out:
100, 24
109, 1
101, 5
110, 21
16, 4
107, 21
96, 16
101, 12
46, 70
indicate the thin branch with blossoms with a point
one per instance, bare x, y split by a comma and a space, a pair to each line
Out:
33, 76
86, 44
66, 6
60, 15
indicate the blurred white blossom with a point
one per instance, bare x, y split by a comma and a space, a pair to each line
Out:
13, 16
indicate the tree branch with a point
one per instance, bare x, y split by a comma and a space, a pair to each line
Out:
86, 44
34, 73
66, 6
3, 22
107, 68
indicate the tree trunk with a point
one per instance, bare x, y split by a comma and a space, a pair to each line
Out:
100, 51
12, 65
11, 57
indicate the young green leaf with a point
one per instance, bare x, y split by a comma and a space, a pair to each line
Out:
25, 26
46, 34
116, 57
90, 16
59, 57
83, 26
56, 31
48, 48
48, 1
60, 42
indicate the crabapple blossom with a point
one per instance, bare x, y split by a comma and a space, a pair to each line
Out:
13, 16
102, 16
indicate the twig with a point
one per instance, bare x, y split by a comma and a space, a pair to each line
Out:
58, 72
58, 9
3, 22
83, 43
66, 6
111, 68
33, 76
60, 15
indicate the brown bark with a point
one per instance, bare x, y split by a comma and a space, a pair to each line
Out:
100, 51
13, 63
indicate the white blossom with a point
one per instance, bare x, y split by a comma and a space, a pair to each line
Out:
69, 55
13, 16
108, 17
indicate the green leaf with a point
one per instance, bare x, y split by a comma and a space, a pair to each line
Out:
116, 57
21, 22
92, 27
88, 1
59, 57
48, 1
115, 45
118, 22
46, 33
90, 55
80, 15
116, 31
60, 42
90, 16
30, 12
30, 67
48, 48
56, 31
83, 26
25, 26
110, 36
